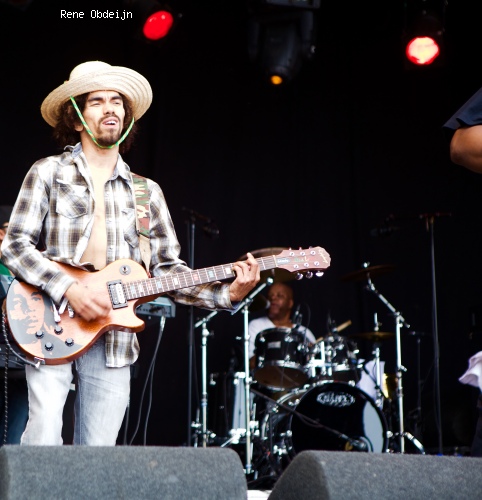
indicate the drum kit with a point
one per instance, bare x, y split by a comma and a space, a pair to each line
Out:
307, 396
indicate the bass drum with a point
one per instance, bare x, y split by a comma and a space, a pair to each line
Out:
340, 408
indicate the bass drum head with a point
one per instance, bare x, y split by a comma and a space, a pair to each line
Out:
343, 408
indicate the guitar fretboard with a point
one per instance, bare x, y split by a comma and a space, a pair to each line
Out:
159, 285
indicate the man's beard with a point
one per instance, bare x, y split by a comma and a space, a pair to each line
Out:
109, 138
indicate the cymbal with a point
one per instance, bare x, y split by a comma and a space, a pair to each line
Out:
368, 272
277, 274
375, 336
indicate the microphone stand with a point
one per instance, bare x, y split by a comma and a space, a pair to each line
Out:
429, 223
429, 219
244, 305
191, 235
211, 230
399, 322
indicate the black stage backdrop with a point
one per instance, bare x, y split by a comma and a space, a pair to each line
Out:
355, 138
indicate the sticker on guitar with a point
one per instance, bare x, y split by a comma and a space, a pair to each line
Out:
48, 338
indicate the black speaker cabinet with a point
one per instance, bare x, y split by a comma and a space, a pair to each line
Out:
341, 475
120, 472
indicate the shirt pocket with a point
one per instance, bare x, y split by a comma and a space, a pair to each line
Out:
72, 200
129, 226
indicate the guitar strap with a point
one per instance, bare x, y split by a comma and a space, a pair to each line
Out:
142, 217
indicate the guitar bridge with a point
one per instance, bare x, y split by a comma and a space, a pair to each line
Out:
116, 293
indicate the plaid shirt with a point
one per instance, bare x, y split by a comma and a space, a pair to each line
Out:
55, 206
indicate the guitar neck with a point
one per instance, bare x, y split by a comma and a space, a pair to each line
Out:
157, 286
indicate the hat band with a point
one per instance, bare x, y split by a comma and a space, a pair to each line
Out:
84, 123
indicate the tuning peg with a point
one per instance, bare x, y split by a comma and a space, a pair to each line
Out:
308, 275
299, 276
319, 274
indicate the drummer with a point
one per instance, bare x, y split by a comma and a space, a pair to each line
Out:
278, 315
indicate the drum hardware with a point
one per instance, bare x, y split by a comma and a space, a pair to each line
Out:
396, 439
281, 357
375, 336
250, 426
378, 374
202, 428
332, 357
400, 321
367, 272
228, 399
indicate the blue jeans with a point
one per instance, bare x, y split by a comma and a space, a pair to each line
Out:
102, 396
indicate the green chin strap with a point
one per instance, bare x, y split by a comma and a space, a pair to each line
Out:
91, 133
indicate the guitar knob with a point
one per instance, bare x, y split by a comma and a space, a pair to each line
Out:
69, 342
58, 329
49, 346
39, 334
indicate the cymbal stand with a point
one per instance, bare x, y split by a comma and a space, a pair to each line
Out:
378, 372
399, 322
244, 305
378, 379
204, 376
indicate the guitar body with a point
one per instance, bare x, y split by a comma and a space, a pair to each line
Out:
26, 305
55, 339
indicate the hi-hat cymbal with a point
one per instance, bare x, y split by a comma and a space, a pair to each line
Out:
277, 274
375, 336
368, 272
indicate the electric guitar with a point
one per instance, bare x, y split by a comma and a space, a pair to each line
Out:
54, 338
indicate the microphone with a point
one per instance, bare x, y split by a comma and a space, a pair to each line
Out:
383, 231
209, 228
268, 304
356, 445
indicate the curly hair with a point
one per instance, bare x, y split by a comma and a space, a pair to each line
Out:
64, 131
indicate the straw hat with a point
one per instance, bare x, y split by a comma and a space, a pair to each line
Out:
97, 75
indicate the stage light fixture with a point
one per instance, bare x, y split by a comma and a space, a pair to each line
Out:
158, 25
154, 20
303, 4
279, 41
18, 4
423, 40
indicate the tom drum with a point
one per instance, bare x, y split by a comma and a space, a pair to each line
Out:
281, 356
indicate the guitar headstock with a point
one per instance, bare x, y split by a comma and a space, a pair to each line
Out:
304, 261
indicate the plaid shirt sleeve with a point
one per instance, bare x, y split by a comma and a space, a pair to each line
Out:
19, 251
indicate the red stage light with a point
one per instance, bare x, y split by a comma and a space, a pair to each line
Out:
158, 25
422, 50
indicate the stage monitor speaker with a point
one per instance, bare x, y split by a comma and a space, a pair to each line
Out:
341, 475
120, 472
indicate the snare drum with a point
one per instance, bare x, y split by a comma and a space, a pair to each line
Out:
281, 356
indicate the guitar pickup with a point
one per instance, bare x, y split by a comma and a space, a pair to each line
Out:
117, 295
